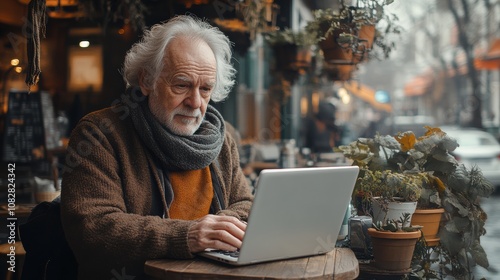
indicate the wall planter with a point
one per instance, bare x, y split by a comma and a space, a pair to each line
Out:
430, 219
393, 251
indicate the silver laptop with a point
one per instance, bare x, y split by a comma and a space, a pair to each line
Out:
296, 212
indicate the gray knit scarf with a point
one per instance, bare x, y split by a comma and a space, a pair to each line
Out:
176, 152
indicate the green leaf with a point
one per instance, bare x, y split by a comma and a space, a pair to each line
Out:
439, 166
429, 198
435, 199
461, 224
453, 202
450, 240
451, 227
462, 257
479, 185
416, 154
388, 142
459, 180
427, 144
449, 144
479, 254
442, 155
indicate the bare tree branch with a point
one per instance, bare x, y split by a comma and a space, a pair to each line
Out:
474, 103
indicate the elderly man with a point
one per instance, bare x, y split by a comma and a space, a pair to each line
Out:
157, 176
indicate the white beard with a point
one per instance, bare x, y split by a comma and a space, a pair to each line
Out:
184, 127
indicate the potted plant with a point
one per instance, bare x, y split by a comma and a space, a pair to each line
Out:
429, 210
446, 184
375, 27
386, 195
379, 186
292, 49
393, 244
347, 35
334, 33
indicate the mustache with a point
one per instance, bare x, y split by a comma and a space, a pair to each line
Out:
189, 113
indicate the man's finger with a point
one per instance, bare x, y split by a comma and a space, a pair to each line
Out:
225, 237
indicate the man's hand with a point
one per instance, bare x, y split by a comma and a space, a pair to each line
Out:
217, 232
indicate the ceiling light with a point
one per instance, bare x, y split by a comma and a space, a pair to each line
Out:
84, 44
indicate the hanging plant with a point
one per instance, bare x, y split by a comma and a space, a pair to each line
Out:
353, 31
108, 11
292, 50
258, 16
335, 35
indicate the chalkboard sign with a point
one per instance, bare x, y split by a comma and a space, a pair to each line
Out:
29, 127
52, 133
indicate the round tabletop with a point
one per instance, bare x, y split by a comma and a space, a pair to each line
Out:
341, 263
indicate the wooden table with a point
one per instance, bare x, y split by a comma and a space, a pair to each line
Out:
21, 210
341, 263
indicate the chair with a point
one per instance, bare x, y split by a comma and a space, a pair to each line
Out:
20, 253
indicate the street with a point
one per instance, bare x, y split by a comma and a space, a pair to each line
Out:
491, 241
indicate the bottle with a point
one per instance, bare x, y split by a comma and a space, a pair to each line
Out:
307, 159
287, 154
344, 229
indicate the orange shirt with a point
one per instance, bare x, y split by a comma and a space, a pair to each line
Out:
193, 194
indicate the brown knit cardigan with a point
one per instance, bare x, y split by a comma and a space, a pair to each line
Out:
106, 199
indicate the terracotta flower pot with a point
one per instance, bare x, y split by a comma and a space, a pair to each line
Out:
367, 35
393, 251
333, 52
430, 220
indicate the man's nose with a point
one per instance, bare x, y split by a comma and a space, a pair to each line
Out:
194, 98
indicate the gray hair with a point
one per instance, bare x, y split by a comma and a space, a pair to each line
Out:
146, 57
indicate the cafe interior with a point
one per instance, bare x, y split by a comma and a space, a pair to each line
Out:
81, 48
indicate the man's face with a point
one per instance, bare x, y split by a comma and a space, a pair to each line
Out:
184, 87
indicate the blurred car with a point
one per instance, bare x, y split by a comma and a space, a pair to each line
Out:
478, 148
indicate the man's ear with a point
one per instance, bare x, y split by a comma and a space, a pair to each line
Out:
145, 87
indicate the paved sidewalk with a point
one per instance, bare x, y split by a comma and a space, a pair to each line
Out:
491, 241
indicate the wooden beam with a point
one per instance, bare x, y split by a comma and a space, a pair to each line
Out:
12, 12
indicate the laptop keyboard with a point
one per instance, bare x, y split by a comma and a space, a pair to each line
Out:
234, 254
